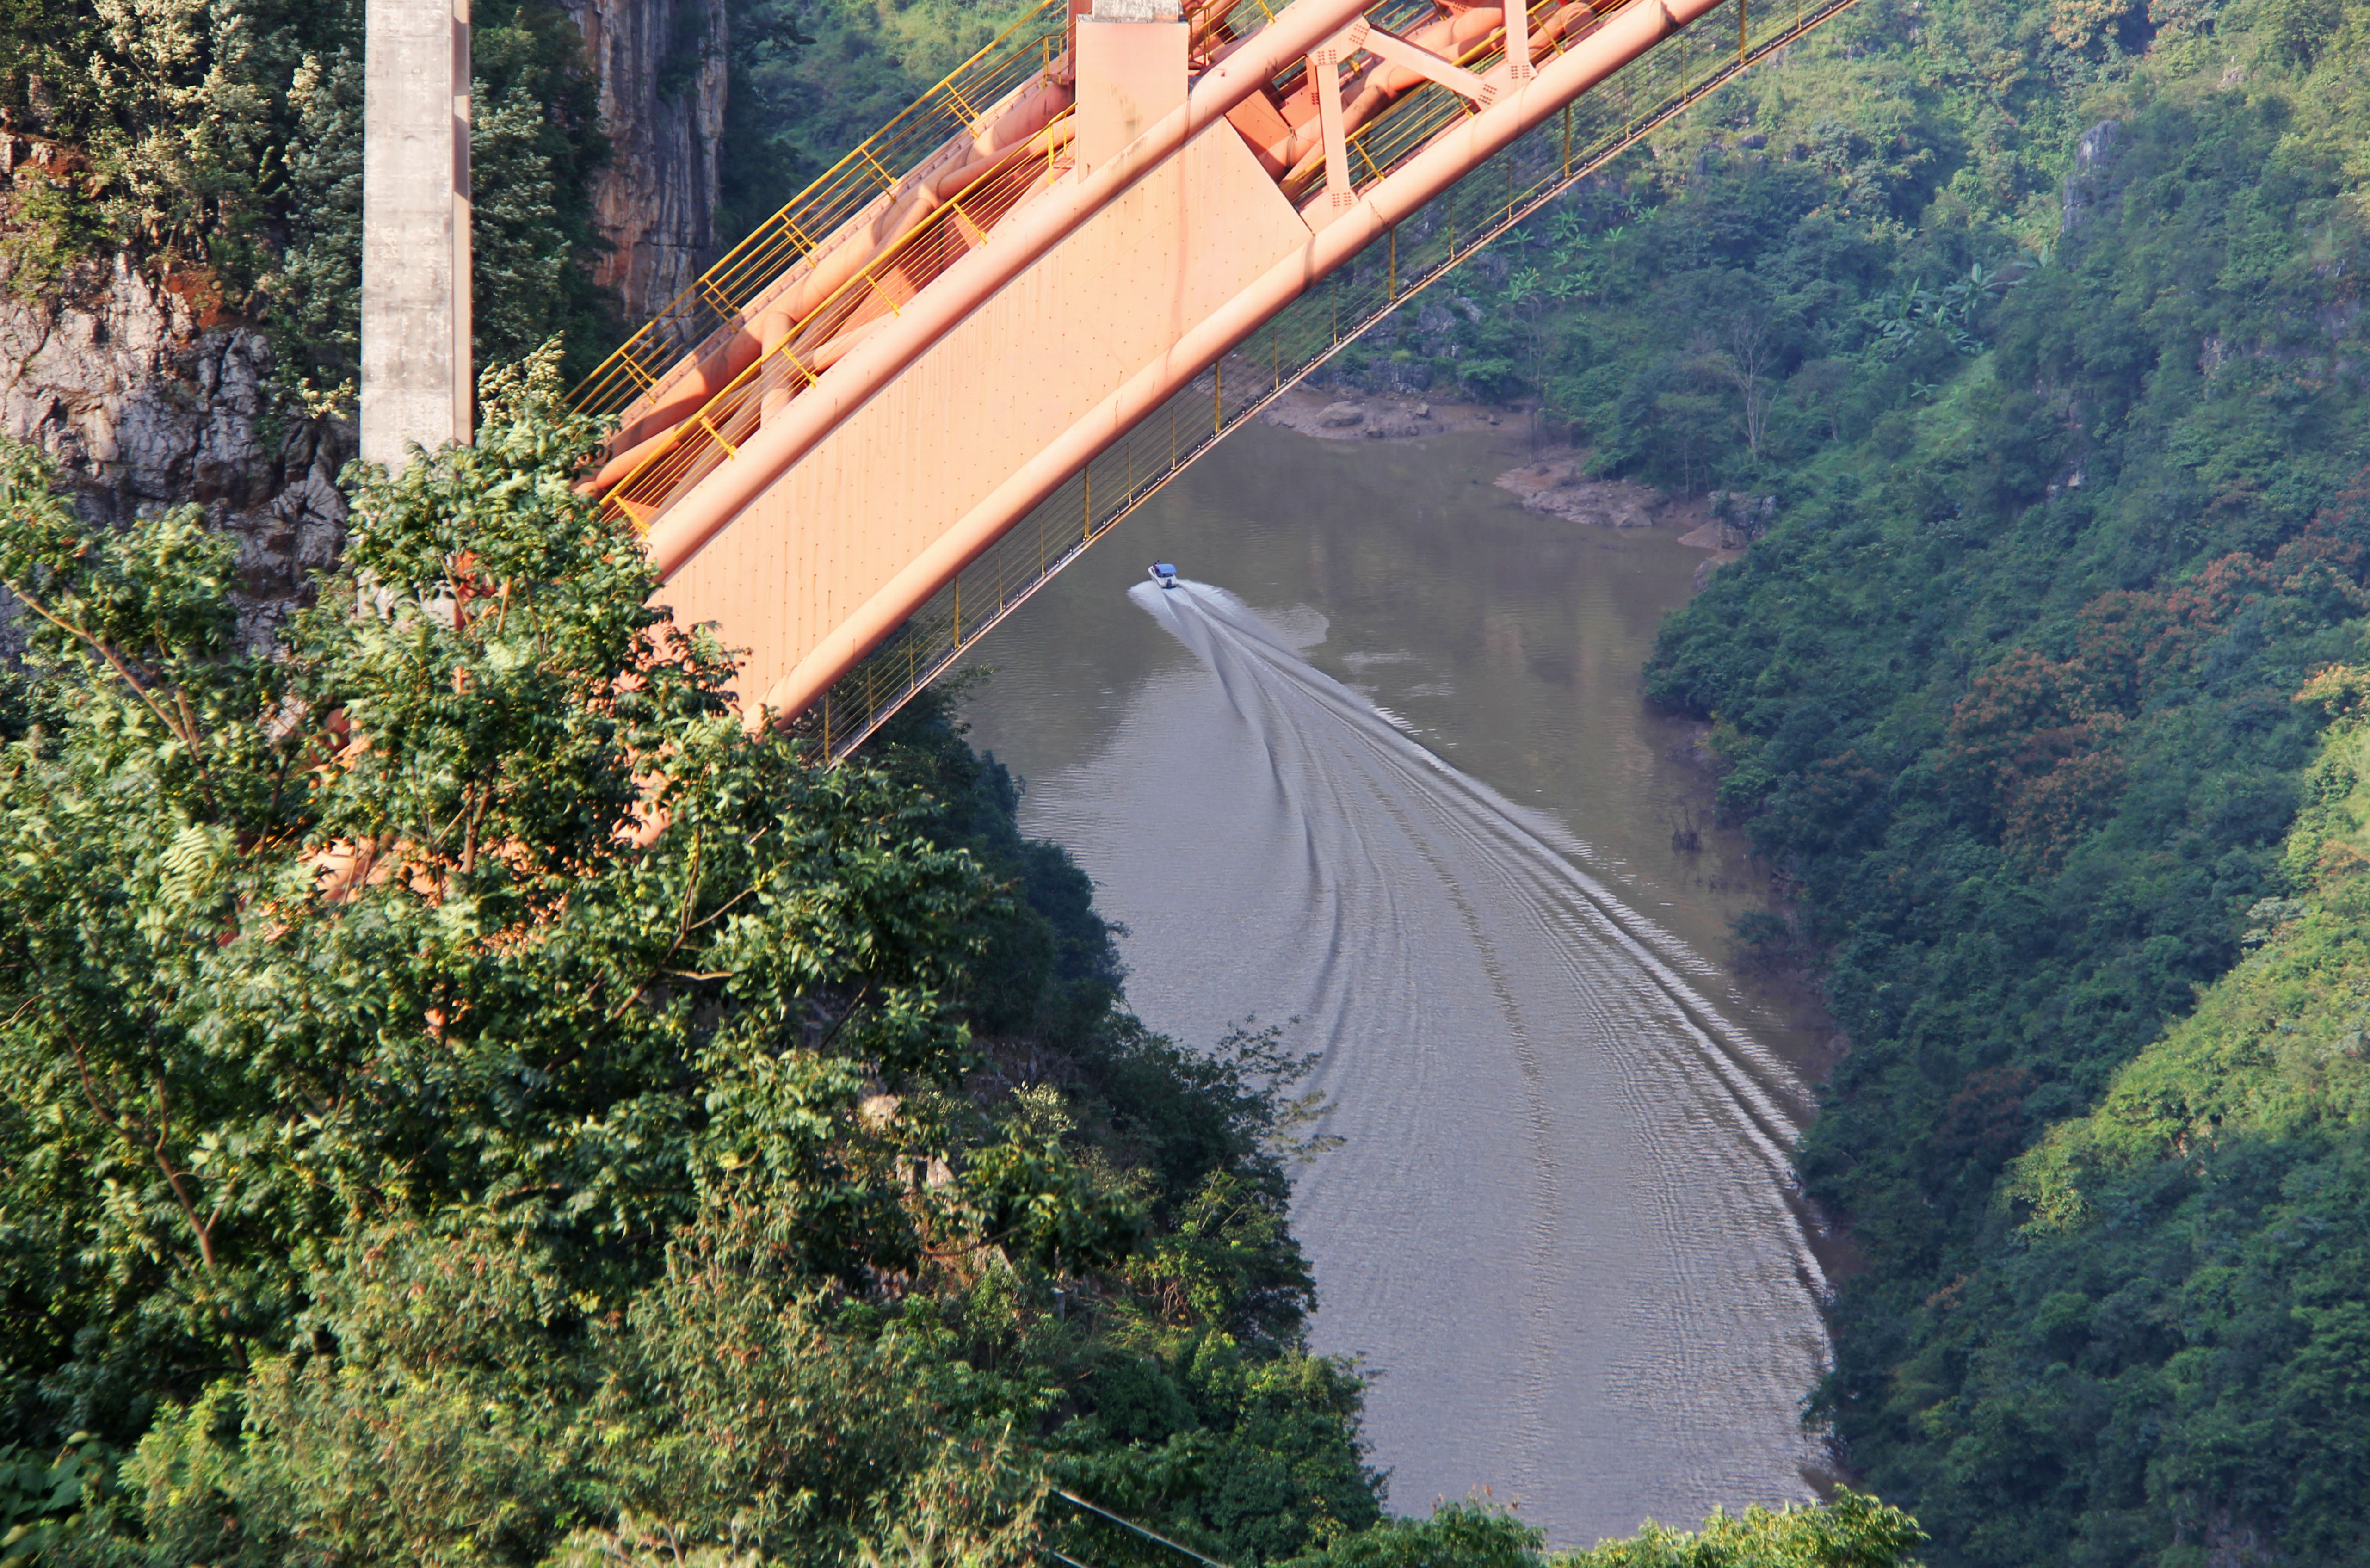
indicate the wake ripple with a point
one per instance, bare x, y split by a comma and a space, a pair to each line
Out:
1558, 1230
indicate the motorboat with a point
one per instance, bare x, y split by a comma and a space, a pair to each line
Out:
1165, 573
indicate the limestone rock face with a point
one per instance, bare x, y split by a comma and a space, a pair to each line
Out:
144, 406
2091, 181
147, 401
661, 65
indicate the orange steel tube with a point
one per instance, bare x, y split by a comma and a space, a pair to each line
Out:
1012, 247
1629, 34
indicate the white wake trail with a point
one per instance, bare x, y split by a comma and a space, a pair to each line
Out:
1558, 1228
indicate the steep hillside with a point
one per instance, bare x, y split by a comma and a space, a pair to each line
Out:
2059, 480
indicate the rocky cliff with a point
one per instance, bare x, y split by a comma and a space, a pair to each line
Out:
147, 397
121, 377
662, 69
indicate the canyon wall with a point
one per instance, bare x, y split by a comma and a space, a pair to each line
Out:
147, 396
661, 68
146, 402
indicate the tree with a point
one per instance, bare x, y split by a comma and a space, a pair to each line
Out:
1534, 297
1851, 1531
475, 909
467, 1098
1746, 358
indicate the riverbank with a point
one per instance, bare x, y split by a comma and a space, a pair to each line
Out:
1552, 482
1339, 416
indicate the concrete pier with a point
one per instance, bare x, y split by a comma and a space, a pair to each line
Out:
416, 381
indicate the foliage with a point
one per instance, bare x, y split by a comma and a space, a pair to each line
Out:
317, 285
222, 141
41, 1497
534, 149
2179, 1328
1850, 1531
2004, 697
809, 79
456, 1076
52, 227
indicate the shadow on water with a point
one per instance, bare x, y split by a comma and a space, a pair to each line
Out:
1560, 1226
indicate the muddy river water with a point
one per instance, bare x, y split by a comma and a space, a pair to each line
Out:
1379, 767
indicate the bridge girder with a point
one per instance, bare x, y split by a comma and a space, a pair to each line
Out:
864, 430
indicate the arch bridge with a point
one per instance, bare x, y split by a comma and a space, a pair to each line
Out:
1012, 315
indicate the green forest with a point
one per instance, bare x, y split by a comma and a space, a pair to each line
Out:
427, 1138
2034, 338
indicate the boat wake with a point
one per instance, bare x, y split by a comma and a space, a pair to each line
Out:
1558, 1230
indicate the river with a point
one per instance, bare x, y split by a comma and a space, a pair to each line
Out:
1378, 771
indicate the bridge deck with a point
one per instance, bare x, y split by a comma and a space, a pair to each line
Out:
863, 564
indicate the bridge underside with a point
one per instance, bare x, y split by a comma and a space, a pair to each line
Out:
884, 421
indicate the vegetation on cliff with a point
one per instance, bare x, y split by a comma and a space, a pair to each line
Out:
220, 143
2068, 492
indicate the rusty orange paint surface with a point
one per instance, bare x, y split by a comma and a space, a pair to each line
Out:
1019, 299
983, 400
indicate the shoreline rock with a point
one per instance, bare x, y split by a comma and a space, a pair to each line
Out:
1555, 485
1324, 417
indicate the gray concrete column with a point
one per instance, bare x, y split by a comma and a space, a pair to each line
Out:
417, 382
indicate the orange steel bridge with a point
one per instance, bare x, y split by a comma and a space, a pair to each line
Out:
1008, 318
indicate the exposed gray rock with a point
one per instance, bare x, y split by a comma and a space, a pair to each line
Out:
2089, 183
142, 407
1560, 489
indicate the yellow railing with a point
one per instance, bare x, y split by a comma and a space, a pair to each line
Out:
715, 303
715, 434
1487, 202
878, 290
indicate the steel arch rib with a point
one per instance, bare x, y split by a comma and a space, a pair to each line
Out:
822, 517
1010, 250
1630, 33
